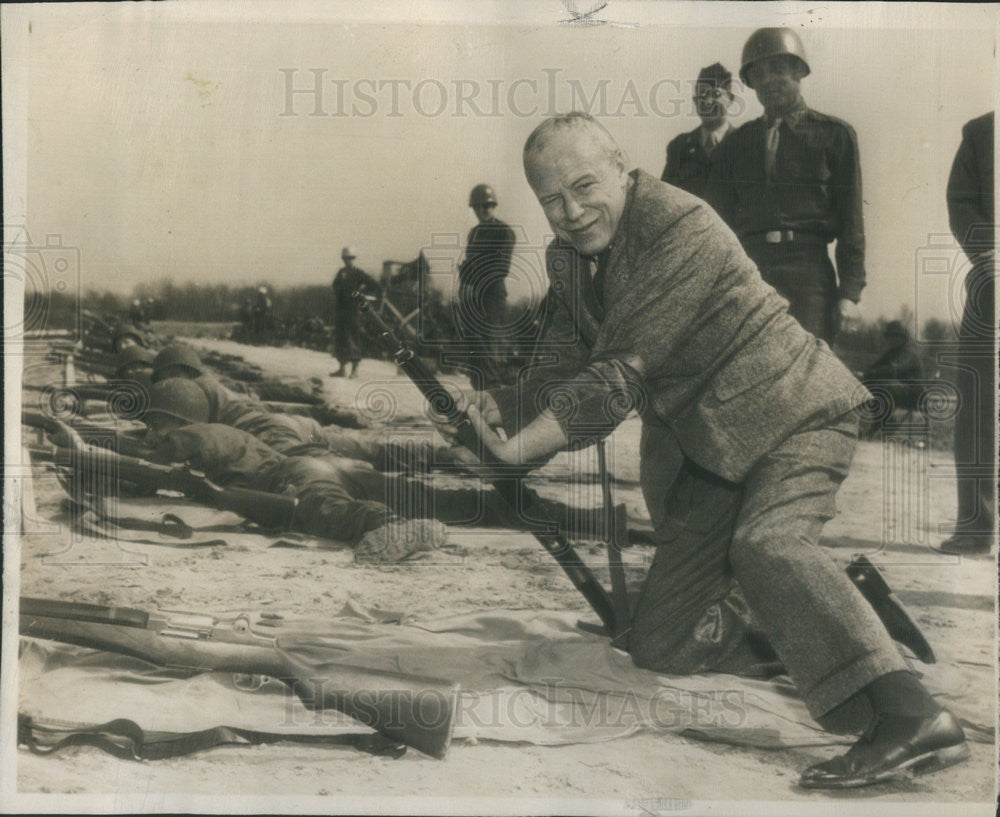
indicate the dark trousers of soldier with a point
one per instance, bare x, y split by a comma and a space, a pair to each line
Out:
803, 274
346, 336
888, 395
479, 320
975, 422
763, 536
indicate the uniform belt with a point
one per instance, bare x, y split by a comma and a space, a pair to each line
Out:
786, 237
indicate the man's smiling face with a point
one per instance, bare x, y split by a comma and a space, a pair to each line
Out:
580, 180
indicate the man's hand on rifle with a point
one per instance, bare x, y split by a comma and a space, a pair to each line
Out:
484, 404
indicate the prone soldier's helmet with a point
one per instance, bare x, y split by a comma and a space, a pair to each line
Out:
176, 355
134, 356
482, 194
771, 42
348, 252
178, 398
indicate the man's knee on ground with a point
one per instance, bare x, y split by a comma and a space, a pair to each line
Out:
651, 650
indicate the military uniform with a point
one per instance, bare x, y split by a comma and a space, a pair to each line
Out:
482, 292
785, 218
689, 163
971, 214
339, 497
346, 330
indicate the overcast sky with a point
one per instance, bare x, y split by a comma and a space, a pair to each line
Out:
165, 148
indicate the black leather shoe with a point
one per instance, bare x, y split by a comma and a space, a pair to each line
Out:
895, 744
966, 544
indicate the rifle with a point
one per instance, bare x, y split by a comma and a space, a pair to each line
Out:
89, 461
505, 479
412, 709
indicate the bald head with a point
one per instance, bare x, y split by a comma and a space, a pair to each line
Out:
577, 124
579, 175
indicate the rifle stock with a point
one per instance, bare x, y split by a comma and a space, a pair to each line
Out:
412, 709
510, 488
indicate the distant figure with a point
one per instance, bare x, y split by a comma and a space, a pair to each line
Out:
689, 156
260, 316
788, 184
971, 213
136, 314
482, 289
346, 331
897, 373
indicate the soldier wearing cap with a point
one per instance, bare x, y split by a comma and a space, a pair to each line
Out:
482, 292
789, 184
689, 156
346, 331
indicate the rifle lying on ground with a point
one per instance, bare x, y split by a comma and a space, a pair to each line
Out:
505, 479
124, 398
100, 470
416, 710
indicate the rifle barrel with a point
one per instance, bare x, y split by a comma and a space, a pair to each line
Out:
511, 489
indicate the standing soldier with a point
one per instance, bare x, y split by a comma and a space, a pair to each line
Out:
136, 314
346, 332
260, 316
482, 293
689, 156
971, 213
788, 184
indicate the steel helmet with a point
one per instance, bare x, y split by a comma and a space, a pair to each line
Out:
176, 355
770, 42
348, 252
132, 356
180, 398
482, 194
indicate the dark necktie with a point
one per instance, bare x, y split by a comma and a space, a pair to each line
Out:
771, 148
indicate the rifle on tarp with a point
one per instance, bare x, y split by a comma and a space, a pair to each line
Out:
415, 710
100, 469
505, 479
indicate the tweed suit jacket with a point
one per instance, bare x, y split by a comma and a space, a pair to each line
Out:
685, 331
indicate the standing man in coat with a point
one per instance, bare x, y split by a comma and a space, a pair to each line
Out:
748, 431
346, 329
689, 156
482, 291
971, 213
789, 184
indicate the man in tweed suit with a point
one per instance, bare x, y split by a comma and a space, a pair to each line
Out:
748, 431
689, 155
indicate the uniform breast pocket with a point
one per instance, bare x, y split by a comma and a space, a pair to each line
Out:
806, 161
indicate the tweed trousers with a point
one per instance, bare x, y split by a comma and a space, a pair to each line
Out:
739, 579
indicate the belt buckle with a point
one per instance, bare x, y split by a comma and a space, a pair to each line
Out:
773, 237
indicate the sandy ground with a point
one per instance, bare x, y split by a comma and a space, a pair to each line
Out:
896, 503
